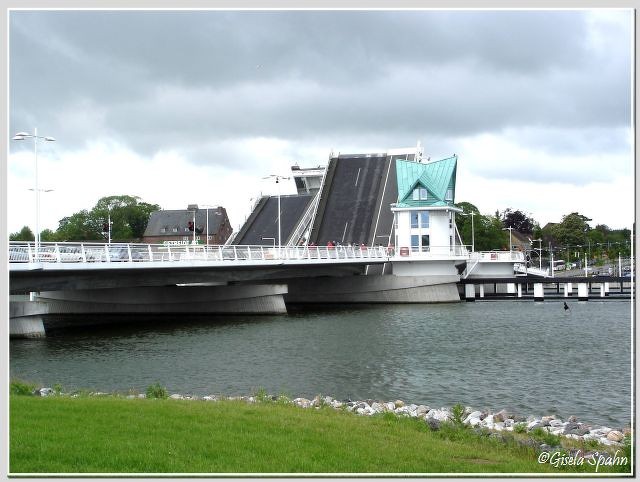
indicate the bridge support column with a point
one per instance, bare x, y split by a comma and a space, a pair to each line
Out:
481, 291
26, 327
569, 287
583, 292
511, 288
566, 290
602, 291
538, 292
606, 288
470, 292
519, 290
26, 319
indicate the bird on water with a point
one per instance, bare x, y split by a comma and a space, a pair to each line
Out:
566, 306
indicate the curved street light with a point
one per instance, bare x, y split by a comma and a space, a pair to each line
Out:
20, 136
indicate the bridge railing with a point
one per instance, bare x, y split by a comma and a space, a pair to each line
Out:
122, 252
431, 251
498, 255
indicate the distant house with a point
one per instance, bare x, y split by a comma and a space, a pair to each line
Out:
547, 237
178, 226
520, 241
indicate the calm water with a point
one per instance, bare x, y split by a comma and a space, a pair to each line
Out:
532, 358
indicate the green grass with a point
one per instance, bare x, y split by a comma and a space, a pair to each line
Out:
115, 435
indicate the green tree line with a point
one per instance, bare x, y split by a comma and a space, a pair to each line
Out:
571, 236
129, 217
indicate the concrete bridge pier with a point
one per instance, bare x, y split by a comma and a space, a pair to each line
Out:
606, 288
583, 292
538, 292
519, 290
511, 288
470, 292
26, 319
60, 309
481, 290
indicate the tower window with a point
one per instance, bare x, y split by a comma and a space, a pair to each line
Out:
449, 195
414, 219
420, 194
424, 219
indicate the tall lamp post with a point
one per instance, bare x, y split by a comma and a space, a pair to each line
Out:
539, 250
473, 241
277, 178
510, 242
20, 136
207, 207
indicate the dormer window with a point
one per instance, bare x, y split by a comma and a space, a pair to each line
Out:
420, 194
449, 196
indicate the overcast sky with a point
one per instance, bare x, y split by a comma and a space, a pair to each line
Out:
181, 107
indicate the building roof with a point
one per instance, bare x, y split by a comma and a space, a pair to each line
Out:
437, 177
179, 218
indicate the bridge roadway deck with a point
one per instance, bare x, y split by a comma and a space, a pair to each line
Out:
84, 266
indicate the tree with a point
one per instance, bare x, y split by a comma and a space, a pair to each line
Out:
487, 230
463, 223
129, 217
25, 234
48, 235
518, 221
78, 227
572, 231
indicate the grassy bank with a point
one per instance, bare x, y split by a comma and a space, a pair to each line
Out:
115, 435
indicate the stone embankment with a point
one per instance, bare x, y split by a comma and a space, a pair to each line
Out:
434, 417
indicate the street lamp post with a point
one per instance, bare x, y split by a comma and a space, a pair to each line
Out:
473, 241
207, 206
20, 136
277, 177
510, 242
539, 250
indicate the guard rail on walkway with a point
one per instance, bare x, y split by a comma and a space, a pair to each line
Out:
130, 253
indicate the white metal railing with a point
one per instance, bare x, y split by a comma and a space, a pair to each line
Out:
303, 224
523, 268
430, 251
20, 252
516, 256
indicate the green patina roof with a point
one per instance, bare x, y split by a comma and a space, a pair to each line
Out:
436, 177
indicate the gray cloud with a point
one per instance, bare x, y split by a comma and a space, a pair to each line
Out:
190, 80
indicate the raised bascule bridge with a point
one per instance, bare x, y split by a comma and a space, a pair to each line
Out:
368, 228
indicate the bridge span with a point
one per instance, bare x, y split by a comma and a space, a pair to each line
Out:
81, 283
94, 265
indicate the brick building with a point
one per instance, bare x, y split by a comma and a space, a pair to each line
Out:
177, 225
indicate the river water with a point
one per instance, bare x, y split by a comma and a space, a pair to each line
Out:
528, 357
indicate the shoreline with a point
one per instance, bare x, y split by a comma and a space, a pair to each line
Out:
500, 421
